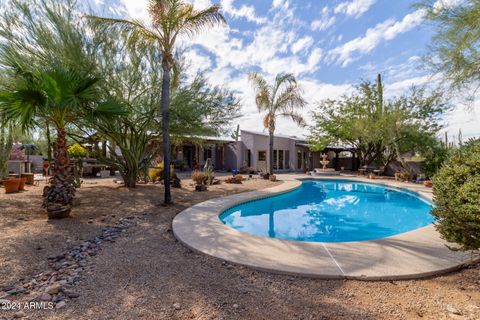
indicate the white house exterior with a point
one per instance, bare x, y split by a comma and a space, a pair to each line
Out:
252, 150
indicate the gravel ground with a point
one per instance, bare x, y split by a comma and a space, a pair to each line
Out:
147, 274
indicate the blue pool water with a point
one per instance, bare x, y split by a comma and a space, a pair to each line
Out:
332, 211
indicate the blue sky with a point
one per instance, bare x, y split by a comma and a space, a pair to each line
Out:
329, 45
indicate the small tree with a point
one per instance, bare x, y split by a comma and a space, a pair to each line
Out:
78, 153
282, 99
457, 197
171, 20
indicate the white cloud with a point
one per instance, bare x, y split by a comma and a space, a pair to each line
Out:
385, 31
354, 8
137, 9
445, 4
326, 20
302, 44
245, 11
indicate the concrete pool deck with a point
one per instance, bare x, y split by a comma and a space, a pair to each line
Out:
415, 254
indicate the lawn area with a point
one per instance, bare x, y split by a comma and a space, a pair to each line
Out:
146, 273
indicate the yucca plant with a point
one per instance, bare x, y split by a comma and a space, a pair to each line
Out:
171, 20
282, 99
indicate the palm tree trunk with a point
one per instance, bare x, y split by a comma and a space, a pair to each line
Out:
49, 144
165, 105
270, 151
58, 196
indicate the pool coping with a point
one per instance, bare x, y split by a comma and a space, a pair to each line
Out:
414, 254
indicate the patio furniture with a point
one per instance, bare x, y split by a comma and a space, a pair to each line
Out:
363, 170
37, 178
379, 171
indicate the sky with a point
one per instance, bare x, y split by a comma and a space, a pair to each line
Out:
330, 46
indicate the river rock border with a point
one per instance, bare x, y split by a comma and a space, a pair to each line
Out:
65, 270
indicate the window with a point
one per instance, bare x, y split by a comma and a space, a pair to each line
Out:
280, 159
262, 155
207, 154
249, 158
299, 160
287, 159
275, 159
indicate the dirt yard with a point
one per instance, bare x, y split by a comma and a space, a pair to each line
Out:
146, 274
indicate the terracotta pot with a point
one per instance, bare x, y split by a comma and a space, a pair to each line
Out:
200, 187
273, 178
428, 183
28, 176
21, 185
11, 185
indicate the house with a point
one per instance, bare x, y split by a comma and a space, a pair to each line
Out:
252, 150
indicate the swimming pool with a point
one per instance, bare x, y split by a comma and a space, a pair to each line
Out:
332, 211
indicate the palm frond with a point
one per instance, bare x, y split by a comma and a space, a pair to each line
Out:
262, 91
284, 78
296, 117
197, 21
134, 31
290, 98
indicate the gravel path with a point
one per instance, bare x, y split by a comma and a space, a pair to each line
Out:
147, 274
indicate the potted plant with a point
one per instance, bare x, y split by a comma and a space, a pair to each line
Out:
21, 184
199, 178
11, 185
428, 183
263, 172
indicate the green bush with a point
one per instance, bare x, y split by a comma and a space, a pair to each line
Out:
456, 190
434, 159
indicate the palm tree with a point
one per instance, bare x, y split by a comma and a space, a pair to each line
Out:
280, 100
171, 19
61, 97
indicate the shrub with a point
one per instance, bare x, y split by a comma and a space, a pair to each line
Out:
456, 189
77, 151
236, 179
209, 175
155, 174
198, 177
434, 159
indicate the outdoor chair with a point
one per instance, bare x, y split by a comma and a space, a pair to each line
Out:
379, 171
363, 170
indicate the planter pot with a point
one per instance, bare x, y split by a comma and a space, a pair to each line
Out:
58, 211
11, 185
21, 185
428, 183
273, 178
200, 187
28, 176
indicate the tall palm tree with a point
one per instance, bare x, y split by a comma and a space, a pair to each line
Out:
282, 99
61, 97
171, 19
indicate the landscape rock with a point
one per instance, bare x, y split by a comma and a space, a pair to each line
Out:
453, 310
60, 305
54, 288
177, 306
45, 297
19, 314
71, 294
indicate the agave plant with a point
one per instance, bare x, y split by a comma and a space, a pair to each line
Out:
60, 96
171, 20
